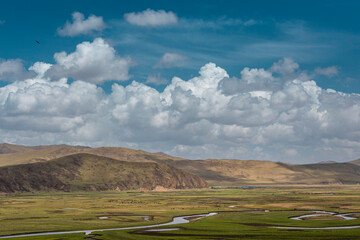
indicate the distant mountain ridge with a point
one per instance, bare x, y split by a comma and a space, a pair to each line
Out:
214, 171
6, 148
23, 154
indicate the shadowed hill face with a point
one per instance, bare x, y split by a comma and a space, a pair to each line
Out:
91, 172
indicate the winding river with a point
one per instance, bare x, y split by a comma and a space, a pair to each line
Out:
184, 219
344, 216
318, 228
175, 220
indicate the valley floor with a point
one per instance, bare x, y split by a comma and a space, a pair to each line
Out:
242, 213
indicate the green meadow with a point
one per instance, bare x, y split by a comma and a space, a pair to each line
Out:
242, 213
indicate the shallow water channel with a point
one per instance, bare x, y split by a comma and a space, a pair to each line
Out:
344, 216
176, 220
184, 219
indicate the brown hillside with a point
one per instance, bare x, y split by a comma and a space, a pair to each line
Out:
46, 153
90, 172
215, 171
330, 173
225, 171
6, 148
234, 172
356, 162
10, 148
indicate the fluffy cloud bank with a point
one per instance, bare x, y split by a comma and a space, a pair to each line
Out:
94, 62
151, 18
276, 114
82, 26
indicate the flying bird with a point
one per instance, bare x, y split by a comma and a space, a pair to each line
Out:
37, 41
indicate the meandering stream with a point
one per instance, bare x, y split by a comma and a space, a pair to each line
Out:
175, 220
344, 216
184, 219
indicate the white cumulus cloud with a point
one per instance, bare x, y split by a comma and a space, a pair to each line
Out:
156, 79
82, 26
285, 66
94, 62
329, 71
151, 18
296, 121
12, 70
169, 60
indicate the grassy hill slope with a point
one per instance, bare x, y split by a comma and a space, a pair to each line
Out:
90, 172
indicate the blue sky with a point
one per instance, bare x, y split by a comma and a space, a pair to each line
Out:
313, 33
272, 80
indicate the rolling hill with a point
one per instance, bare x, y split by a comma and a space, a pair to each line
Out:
12, 148
356, 162
214, 171
91, 172
234, 172
24, 155
229, 172
329, 173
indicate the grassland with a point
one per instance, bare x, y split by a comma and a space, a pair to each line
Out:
40, 212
